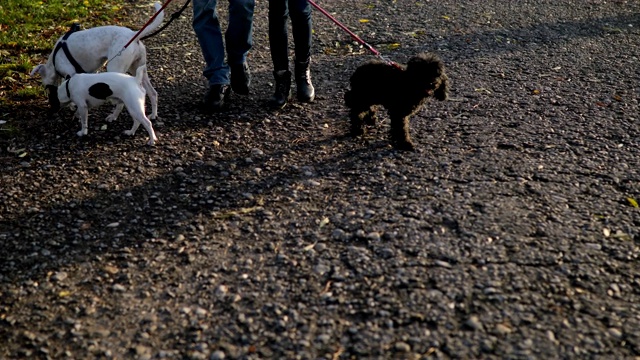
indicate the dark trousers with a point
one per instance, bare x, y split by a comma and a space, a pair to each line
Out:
300, 13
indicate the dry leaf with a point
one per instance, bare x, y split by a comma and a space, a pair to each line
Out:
632, 202
364, 21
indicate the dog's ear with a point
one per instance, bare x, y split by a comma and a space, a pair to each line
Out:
40, 69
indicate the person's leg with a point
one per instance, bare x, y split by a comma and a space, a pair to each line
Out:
278, 42
278, 35
238, 36
300, 12
207, 28
239, 41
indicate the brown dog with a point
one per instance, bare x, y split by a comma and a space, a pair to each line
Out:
402, 90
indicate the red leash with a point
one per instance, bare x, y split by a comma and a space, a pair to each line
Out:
138, 33
147, 24
353, 35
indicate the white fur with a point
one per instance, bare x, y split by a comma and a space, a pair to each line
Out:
127, 91
91, 48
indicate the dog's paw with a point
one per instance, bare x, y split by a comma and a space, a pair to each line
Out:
129, 132
111, 117
152, 141
82, 132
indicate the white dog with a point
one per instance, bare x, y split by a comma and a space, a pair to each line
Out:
90, 90
86, 51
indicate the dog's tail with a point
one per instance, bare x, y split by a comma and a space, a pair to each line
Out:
155, 24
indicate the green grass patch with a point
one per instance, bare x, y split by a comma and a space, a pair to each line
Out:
29, 30
28, 25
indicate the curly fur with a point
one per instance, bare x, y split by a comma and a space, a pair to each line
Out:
401, 90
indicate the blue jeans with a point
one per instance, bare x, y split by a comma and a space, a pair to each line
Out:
300, 13
237, 38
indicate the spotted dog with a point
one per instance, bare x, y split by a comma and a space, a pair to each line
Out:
90, 90
85, 51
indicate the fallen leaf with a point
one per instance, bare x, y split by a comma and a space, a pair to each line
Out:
64, 293
309, 247
483, 90
364, 21
632, 202
535, 92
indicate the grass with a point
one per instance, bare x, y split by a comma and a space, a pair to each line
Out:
29, 30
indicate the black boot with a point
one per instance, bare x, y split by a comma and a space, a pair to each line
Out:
240, 78
306, 92
282, 93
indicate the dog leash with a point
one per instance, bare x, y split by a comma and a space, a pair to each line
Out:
138, 33
354, 36
174, 16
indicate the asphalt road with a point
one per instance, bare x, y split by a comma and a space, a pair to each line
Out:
511, 233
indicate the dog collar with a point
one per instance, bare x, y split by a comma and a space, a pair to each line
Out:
66, 87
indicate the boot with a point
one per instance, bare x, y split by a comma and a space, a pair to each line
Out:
240, 78
306, 92
283, 89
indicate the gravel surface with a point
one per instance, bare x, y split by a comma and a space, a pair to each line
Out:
511, 233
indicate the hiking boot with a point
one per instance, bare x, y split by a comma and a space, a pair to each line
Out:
282, 93
240, 78
215, 98
306, 92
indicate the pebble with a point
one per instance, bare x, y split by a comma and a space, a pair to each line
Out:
374, 236
217, 355
119, 288
313, 183
387, 253
320, 247
615, 332
339, 234
402, 346
59, 276
503, 329
321, 269
474, 323
221, 290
